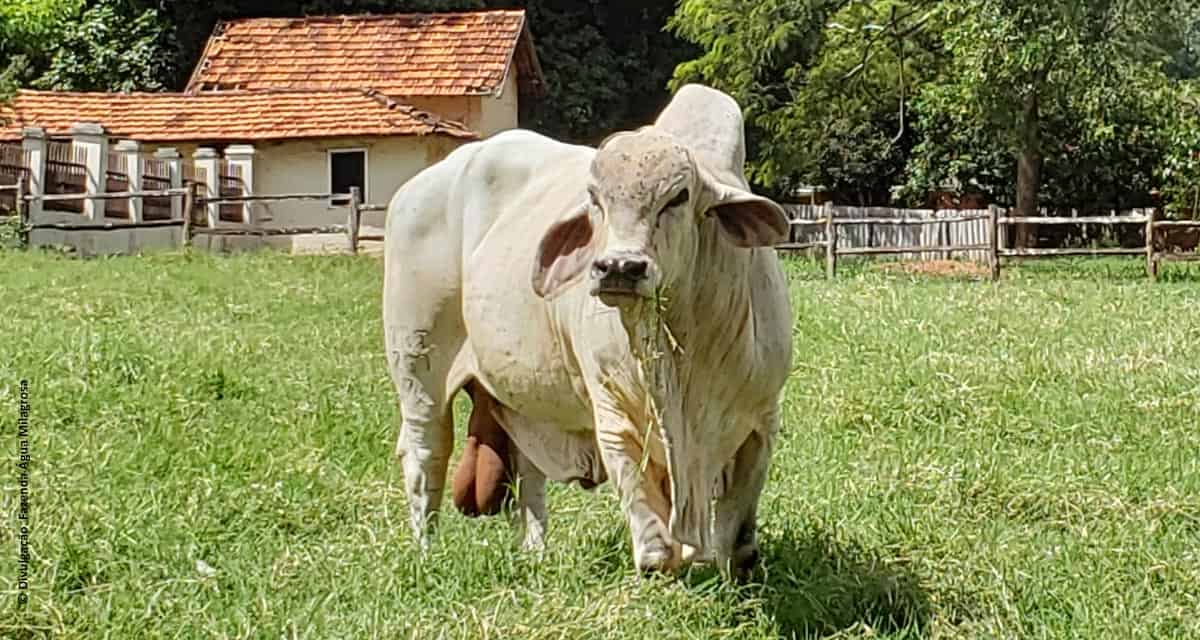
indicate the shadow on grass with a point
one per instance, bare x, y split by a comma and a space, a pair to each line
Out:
809, 583
813, 585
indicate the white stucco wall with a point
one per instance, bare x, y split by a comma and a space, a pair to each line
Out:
485, 114
303, 167
500, 113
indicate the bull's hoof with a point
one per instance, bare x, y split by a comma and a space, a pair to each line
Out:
744, 562
658, 556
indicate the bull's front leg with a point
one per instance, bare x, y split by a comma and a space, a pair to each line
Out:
735, 526
643, 492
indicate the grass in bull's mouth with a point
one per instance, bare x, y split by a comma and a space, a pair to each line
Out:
212, 458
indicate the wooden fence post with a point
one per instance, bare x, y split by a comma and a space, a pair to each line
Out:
944, 237
994, 241
354, 219
185, 239
830, 243
22, 211
1151, 262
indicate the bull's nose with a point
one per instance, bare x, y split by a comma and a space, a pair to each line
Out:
629, 267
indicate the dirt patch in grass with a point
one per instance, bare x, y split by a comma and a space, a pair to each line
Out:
942, 268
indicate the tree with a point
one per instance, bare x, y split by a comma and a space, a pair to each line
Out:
113, 45
824, 83
25, 28
606, 63
759, 53
1046, 78
1181, 162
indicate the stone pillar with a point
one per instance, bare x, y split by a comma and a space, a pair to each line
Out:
174, 161
242, 157
33, 142
90, 137
209, 162
132, 152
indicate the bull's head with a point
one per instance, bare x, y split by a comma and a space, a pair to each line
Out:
638, 230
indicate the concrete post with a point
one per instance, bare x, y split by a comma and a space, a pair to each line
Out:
33, 143
132, 152
242, 157
208, 161
90, 137
174, 162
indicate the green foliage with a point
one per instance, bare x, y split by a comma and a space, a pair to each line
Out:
25, 23
759, 53
823, 82
26, 28
1181, 164
1095, 72
113, 46
10, 77
606, 64
11, 232
849, 127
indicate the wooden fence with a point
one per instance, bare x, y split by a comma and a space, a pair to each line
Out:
867, 228
192, 208
979, 234
66, 174
352, 228
837, 232
156, 176
197, 176
117, 181
13, 171
230, 184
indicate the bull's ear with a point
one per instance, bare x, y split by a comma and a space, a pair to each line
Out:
748, 220
564, 254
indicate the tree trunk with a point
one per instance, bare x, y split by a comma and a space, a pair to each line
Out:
1029, 168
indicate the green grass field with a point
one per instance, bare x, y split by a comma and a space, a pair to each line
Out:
958, 460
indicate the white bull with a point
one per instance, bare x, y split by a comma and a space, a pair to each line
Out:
624, 311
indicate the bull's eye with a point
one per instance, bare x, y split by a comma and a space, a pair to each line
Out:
679, 200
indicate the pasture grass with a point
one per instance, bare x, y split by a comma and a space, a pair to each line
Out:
212, 458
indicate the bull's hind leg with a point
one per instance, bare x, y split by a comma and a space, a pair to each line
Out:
737, 509
420, 365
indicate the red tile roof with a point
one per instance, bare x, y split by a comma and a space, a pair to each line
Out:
437, 54
223, 117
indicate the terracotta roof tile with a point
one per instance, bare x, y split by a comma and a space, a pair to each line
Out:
224, 117
438, 54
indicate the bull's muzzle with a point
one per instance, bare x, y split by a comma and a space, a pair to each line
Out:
623, 275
